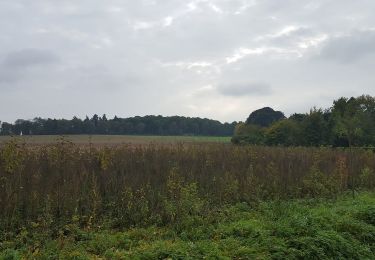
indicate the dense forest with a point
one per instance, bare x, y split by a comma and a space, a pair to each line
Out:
349, 122
147, 125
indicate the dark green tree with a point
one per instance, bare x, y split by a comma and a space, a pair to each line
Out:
264, 117
285, 132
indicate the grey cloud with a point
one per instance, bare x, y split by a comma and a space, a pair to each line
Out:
24, 65
119, 70
350, 48
245, 89
7, 76
29, 57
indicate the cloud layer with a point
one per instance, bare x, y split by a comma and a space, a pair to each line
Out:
210, 58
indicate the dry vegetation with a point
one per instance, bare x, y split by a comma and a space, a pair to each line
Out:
48, 188
144, 184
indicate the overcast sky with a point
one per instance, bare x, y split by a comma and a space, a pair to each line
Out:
219, 59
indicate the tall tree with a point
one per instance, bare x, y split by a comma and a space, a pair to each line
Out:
264, 117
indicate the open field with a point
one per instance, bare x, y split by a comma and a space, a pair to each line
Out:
185, 201
113, 139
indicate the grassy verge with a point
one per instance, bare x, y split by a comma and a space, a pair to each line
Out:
295, 229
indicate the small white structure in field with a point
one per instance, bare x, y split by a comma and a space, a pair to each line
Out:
21, 133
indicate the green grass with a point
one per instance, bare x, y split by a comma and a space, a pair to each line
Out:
295, 229
114, 139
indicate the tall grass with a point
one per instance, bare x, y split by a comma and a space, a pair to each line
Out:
131, 185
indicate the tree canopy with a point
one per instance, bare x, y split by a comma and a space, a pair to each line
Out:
264, 117
147, 125
349, 122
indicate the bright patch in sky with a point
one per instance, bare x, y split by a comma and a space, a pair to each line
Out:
219, 59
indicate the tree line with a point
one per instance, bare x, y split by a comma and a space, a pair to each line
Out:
146, 125
349, 122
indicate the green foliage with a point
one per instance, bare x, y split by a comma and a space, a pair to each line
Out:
349, 122
183, 206
10, 254
133, 208
285, 132
147, 125
299, 229
315, 129
248, 134
367, 178
367, 215
12, 157
316, 183
264, 117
